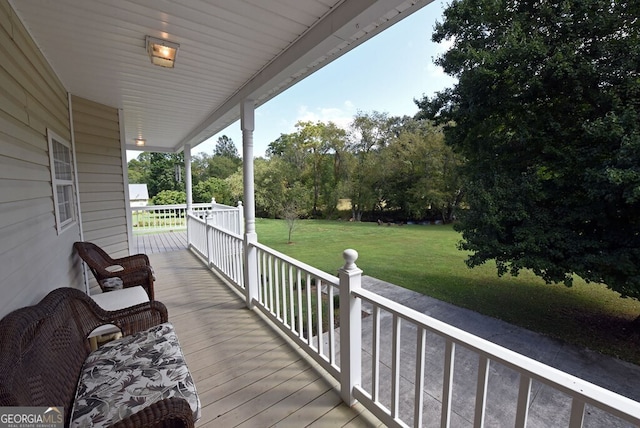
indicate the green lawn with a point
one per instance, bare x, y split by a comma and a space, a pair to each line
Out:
425, 259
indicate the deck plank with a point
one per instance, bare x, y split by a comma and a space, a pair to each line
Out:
151, 243
246, 374
295, 403
260, 403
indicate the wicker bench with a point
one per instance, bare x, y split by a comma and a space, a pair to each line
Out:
139, 380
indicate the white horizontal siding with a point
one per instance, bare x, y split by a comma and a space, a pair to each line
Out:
103, 196
34, 259
100, 176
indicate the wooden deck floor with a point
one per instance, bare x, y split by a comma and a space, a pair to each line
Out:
246, 374
160, 242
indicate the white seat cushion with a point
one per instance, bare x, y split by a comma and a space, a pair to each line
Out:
126, 375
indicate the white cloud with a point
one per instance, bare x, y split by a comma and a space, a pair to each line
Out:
445, 45
433, 70
342, 116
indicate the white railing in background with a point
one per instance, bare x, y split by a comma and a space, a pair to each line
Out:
405, 367
157, 218
226, 217
221, 248
197, 235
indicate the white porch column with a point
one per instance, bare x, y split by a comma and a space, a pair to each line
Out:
247, 124
187, 179
188, 187
350, 327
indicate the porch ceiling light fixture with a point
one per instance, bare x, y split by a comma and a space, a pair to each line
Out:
140, 142
161, 52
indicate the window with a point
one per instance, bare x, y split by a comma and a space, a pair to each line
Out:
62, 180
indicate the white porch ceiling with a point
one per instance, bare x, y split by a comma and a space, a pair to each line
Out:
230, 50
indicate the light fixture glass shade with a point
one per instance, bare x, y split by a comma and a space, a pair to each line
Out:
140, 141
162, 52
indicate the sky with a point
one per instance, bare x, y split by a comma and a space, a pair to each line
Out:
385, 74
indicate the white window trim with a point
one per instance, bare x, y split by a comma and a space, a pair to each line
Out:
61, 226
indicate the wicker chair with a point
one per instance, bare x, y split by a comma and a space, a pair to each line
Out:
132, 270
43, 348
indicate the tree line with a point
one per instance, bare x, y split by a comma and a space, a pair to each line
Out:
164, 174
382, 167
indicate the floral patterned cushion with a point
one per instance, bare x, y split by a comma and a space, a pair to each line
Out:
126, 375
110, 284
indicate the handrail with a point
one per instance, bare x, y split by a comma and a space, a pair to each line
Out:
174, 217
297, 263
162, 217
221, 248
581, 391
300, 300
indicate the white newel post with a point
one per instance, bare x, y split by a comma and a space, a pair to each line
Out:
188, 187
240, 217
247, 123
350, 326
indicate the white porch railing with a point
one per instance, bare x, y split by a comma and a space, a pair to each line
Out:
221, 248
302, 301
405, 367
157, 218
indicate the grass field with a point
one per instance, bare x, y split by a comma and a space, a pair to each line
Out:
425, 259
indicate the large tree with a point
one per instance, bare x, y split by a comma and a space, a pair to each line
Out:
421, 178
224, 162
277, 188
160, 171
213, 188
370, 133
313, 157
225, 147
547, 113
138, 168
323, 145
166, 172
